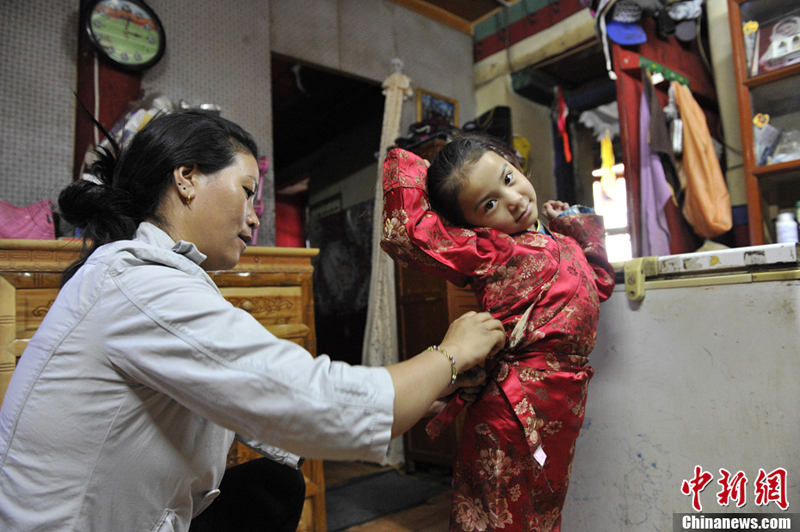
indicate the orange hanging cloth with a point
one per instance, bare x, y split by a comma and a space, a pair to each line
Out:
707, 203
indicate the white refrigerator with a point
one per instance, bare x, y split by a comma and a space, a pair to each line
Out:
697, 363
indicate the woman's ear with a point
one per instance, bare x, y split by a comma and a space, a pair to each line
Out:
186, 180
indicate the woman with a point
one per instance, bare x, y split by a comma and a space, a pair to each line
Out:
125, 402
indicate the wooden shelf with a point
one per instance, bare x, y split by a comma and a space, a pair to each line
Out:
776, 94
770, 77
789, 167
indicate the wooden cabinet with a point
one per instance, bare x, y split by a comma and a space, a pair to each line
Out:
765, 37
426, 305
273, 284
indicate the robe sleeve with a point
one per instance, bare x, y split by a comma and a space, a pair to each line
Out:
417, 237
589, 232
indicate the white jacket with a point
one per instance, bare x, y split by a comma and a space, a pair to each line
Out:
125, 402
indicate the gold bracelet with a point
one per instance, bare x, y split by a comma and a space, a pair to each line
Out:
452, 362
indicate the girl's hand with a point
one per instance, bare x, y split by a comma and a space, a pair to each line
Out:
469, 385
551, 209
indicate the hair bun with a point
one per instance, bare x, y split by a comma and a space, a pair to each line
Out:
84, 201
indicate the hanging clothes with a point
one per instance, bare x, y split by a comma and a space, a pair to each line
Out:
707, 203
659, 138
608, 179
563, 169
562, 113
602, 120
654, 190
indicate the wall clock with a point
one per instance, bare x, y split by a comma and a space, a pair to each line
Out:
126, 32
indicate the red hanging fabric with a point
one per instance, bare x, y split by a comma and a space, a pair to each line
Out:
563, 112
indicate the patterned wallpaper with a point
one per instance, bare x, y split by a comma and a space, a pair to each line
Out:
217, 52
37, 106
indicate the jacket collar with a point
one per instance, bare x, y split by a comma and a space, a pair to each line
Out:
155, 236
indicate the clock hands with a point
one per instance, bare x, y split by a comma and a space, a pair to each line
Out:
130, 33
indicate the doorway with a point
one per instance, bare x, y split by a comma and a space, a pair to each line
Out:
326, 134
580, 76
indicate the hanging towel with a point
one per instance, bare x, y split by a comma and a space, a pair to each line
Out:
659, 138
707, 203
654, 190
602, 120
608, 179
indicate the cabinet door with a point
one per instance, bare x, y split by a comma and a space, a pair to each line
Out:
25, 298
459, 301
422, 311
426, 307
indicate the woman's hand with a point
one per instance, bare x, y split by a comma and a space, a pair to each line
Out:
472, 337
551, 209
421, 380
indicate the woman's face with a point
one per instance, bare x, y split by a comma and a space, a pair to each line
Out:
223, 217
497, 195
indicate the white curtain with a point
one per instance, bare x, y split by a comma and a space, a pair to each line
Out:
380, 336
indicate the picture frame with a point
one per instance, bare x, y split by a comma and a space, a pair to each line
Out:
432, 105
776, 44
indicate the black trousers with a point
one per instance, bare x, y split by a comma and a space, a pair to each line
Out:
259, 495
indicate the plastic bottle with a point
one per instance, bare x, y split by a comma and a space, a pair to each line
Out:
786, 228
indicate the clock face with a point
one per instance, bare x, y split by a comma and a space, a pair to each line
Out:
126, 32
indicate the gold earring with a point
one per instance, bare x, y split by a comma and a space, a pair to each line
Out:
189, 199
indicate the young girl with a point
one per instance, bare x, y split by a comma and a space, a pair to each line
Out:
544, 284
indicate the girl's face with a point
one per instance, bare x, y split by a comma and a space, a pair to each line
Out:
497, 195
224, 217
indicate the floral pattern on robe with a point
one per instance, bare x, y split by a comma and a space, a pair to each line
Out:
518, 438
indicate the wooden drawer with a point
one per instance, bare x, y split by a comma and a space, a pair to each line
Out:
270, 305
278, 308
31, 307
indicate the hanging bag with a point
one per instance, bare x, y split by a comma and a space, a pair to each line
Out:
34, 222
707, 203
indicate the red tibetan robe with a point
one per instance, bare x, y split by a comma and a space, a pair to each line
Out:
518, 438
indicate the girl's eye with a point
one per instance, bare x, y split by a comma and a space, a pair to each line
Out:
509, 178
250, 193
489, 205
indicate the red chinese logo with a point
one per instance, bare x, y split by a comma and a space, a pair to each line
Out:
771, 487
768, 487
733, 488
696, 485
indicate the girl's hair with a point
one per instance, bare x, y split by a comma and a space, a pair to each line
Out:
448, 171
131, 182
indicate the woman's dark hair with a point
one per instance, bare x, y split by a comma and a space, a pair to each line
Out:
447, 173
130, 182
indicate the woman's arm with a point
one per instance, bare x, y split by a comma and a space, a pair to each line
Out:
419, 381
